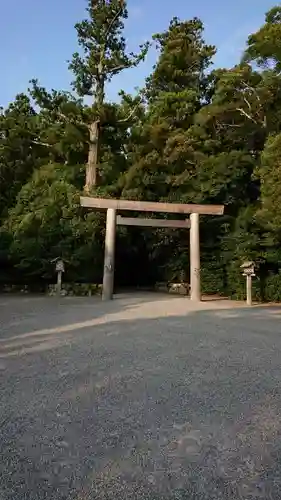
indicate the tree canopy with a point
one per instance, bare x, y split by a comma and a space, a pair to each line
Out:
193, 133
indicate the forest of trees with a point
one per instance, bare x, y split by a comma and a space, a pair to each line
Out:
193, 134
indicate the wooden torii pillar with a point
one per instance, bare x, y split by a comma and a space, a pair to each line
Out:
112, 206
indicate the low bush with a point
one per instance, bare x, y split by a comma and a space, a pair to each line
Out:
77, 289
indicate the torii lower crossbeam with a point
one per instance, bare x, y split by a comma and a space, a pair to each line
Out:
160, 223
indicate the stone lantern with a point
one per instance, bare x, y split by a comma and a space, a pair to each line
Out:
248, 269
60, 268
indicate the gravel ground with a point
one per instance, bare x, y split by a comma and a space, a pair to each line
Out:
148, 397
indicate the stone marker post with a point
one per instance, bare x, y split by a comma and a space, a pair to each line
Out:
249, 290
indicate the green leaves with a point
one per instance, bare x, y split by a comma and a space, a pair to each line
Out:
191, 135
270, 175
184, 58
18, 153
47, 221
165, 155
103, 48
264, 46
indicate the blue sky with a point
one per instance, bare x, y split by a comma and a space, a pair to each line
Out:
37, 37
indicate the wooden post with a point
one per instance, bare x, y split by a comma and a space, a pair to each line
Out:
249, 290
108, 273
59, 282
195, 286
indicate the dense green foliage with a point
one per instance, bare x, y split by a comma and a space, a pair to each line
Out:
192, 134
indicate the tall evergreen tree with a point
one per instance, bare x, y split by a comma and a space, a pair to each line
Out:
19, 155
104, 56
269, 172
164, 154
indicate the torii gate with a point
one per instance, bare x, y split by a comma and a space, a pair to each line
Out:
112, 206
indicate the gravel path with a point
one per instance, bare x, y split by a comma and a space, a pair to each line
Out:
147, 398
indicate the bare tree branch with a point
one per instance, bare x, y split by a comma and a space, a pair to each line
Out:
252, 90
130, 115
113, 21
118, 68
247, 102
243, 112
39, 143
232, 125
67, 119
260, 120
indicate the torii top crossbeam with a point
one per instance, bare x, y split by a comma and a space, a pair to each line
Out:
147, 206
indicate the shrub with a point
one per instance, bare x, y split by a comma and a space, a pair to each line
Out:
77, 289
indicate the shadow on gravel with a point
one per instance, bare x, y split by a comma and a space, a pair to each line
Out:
40, 324
169, 407
32, 315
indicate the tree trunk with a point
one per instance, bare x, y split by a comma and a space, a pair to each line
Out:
93, 156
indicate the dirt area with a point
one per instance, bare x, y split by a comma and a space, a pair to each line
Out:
148, 397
